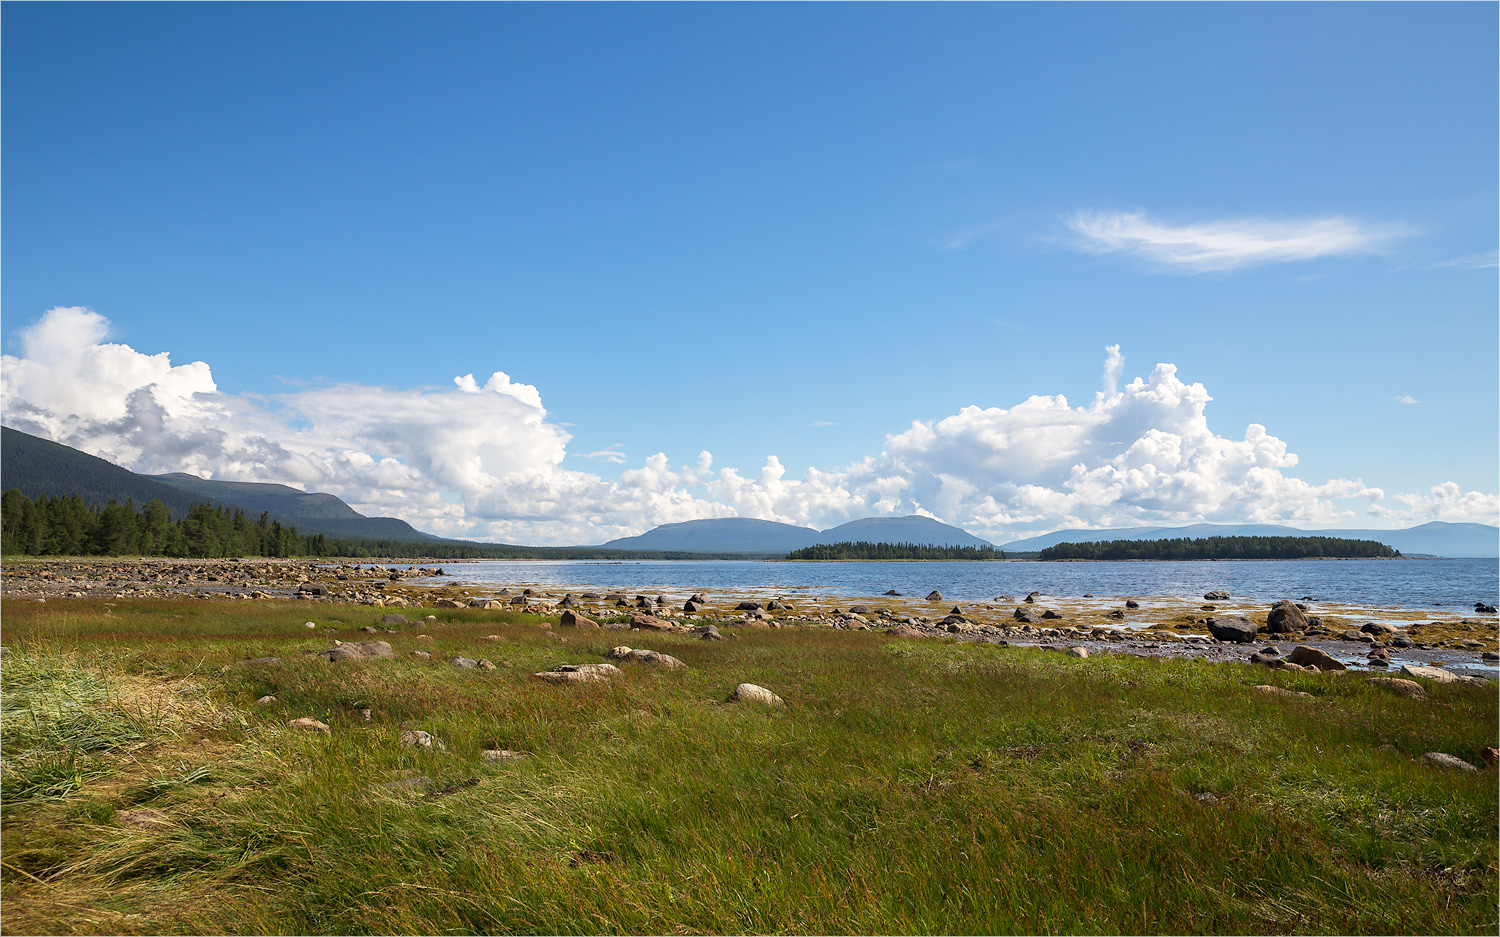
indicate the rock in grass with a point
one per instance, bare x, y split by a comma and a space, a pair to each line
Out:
357, 650
391, 621
425, 741
1079, 652
1435, 674
579, 673
651, 623
571, 619
266, 701
1491, 757
643, 656
708, 633
750, 693
1444, 760
1305, 656
425, 655
309, 624
1280, 691
502, 755
1408, 688
692, 607
142, 818
1235, 629
905, 631
464, 663
309, 724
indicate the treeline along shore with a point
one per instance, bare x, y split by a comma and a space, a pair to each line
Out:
1223, 548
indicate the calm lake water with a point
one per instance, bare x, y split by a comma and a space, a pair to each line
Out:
1392, 583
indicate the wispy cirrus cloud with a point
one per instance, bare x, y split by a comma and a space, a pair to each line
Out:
1406, 398
1232, 244
1486, 260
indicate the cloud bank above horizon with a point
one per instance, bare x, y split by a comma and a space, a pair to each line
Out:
482, 460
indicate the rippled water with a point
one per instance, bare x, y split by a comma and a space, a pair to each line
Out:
1393, 583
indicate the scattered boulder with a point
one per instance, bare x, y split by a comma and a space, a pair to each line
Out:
455, 603
1444, 760
1435, 674
1305, 656
1050, 615
1286, 617
748, 606
1028, 615
1377, 627
692, 607
865, 610
1235, 629
750, 693
464, 663
1079, 652
357, 650
571, 619
651, 622
643, 656
905, 631
415, 738
934, 596
143, 818
567, 601
1217, 595
1491, 757
708, 633
424, 655
891, 592
265, 701
1117, 614
502, 755
1408, 688
309, 724
1280, 691
579, 673
309, 624
1402, 641
1132, 603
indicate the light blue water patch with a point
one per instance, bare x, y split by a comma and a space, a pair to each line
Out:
1453, 585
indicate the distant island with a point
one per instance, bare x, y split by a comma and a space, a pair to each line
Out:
864, 550
1222, 548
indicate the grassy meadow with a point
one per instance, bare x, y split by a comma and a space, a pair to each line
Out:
906, 786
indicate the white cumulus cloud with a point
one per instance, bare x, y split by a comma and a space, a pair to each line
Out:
1223, 245
484, 461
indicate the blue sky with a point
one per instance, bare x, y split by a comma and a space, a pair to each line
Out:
764, 230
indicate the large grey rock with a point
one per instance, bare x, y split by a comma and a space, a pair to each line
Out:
358, 650
1305, 656
1216, 596
1236, 629
643, 656
1280, 691
1029, 615
1435, 674
1377, 627
391, 621
1444, 760
1286, 618
309, 724
1407, 688
579, 673
750, 693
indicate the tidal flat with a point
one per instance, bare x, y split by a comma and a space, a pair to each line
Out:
174, 764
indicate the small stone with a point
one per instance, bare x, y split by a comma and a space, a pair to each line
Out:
1444, 760
309, 724
1280, 691
464, 663
501, 755
1207, 797
579, 673
422, 654
265, 701
485, 664
309, 624
416, 738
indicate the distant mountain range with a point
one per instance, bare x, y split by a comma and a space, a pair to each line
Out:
748, 535
39, 467
1437, 538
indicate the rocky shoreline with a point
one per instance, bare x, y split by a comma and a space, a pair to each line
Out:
1289, 634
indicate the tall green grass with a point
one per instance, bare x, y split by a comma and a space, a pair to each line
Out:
907, 786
